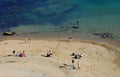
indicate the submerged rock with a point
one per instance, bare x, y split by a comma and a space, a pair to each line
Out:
75, 27
104, 35
7, 33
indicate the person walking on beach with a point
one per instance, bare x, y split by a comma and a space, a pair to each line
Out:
70, 37
25, 40
30, 39
78, 64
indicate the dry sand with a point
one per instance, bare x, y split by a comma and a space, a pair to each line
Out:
98, 60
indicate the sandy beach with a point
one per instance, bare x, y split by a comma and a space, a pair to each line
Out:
98, 60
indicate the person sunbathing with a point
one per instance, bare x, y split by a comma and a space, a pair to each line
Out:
21, 54
78, 56
49, 54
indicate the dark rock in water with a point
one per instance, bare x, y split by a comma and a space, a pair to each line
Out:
104, 35
75, 27
77, 22
107, 35
7, 33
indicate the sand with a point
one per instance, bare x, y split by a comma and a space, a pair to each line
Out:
98, 60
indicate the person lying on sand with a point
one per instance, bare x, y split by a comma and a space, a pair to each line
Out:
21, 54
65, 65
49, 53
78, 56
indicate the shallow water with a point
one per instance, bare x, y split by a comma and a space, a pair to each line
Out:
55, 18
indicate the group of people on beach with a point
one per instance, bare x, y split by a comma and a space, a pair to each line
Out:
77, 56
73, 64
50, 53
21, 54
74, 56
73, 61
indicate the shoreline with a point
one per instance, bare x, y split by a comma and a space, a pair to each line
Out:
83, 37
107, 43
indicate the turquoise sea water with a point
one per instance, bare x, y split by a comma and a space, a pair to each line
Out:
55, 18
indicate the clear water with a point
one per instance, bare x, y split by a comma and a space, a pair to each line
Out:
56, 17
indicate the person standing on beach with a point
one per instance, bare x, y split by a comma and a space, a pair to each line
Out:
25, 40
78, 64
30, 39
70, 37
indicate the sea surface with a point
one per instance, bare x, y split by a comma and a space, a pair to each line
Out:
56, 18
